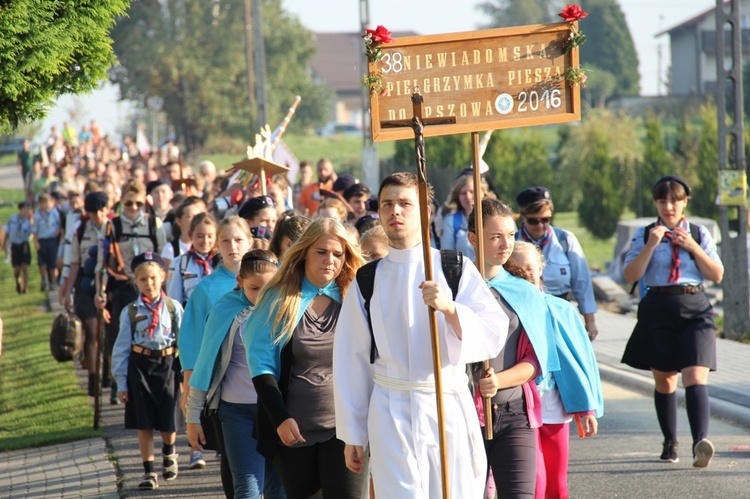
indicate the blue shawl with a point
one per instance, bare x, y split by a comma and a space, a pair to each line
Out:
218, 324
528, 303
578, 378
263, 353
206, 294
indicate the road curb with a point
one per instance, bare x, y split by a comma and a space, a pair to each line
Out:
732, 413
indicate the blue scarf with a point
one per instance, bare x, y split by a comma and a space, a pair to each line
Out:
528, 303
578, 378
218, 324
263, 352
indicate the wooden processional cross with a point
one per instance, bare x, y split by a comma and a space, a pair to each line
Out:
473, 81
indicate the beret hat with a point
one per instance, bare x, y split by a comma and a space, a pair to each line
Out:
532, 195
148, 256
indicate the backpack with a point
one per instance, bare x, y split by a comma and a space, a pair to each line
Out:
452, 263
66, 337
133, 311
151, 222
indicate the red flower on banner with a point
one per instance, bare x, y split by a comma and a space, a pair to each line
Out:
378, 35
572, 13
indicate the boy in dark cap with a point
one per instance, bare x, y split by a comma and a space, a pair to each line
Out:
144, 366
357, 196
89, 234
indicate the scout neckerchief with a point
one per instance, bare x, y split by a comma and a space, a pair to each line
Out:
155, 309
542, 242
201, 260
674, 267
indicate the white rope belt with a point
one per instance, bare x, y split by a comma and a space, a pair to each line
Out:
477, 446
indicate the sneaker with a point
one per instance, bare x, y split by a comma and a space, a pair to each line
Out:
170, 469
43, 287
18, 287
196, 460
669, 452
703, 451
149, 482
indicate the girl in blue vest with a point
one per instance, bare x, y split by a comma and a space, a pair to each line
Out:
529, 352
221, 379
234, 239
572, 391
289, 340
675, 333
189, 269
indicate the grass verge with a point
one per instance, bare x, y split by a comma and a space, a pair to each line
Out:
41, 402
598, 251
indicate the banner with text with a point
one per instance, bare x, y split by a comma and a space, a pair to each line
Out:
487, 80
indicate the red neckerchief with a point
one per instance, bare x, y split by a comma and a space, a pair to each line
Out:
201, 260
155, 309
674, 267
544, 241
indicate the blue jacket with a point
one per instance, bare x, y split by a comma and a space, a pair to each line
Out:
206, 294
528, 303
263, 353
578, 378
218, 322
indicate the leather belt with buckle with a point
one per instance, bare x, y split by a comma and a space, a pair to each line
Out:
153, 353
676, 290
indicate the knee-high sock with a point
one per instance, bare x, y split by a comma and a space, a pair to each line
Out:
666, 413
698, 410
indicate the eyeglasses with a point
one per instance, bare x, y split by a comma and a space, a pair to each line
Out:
537, 221
133, 204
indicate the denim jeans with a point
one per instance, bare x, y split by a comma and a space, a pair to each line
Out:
247, 465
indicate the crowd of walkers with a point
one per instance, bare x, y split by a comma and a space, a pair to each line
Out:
249, 317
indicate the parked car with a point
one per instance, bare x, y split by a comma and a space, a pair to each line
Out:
334, 128
11, 144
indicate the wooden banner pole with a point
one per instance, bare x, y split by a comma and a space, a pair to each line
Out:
479, 258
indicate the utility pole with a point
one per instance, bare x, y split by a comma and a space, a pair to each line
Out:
370, 163
732, 219
249, 53
259, 53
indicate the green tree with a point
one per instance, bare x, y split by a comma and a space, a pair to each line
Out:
49, 48
600, 86
602, 206
503, 13
581, 144
446, 151
657, 162
703, 195
610, 45
191, 53
517, 160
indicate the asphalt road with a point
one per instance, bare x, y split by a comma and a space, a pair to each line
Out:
623, 459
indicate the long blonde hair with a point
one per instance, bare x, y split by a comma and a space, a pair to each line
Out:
283, 293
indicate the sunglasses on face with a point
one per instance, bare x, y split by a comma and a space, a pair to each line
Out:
537, 221
133, 204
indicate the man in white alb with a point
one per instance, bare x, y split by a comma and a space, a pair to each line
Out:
391, 403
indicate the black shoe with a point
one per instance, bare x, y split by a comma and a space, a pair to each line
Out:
43, 287
669, 452
18, 287
92, 385
106, 381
